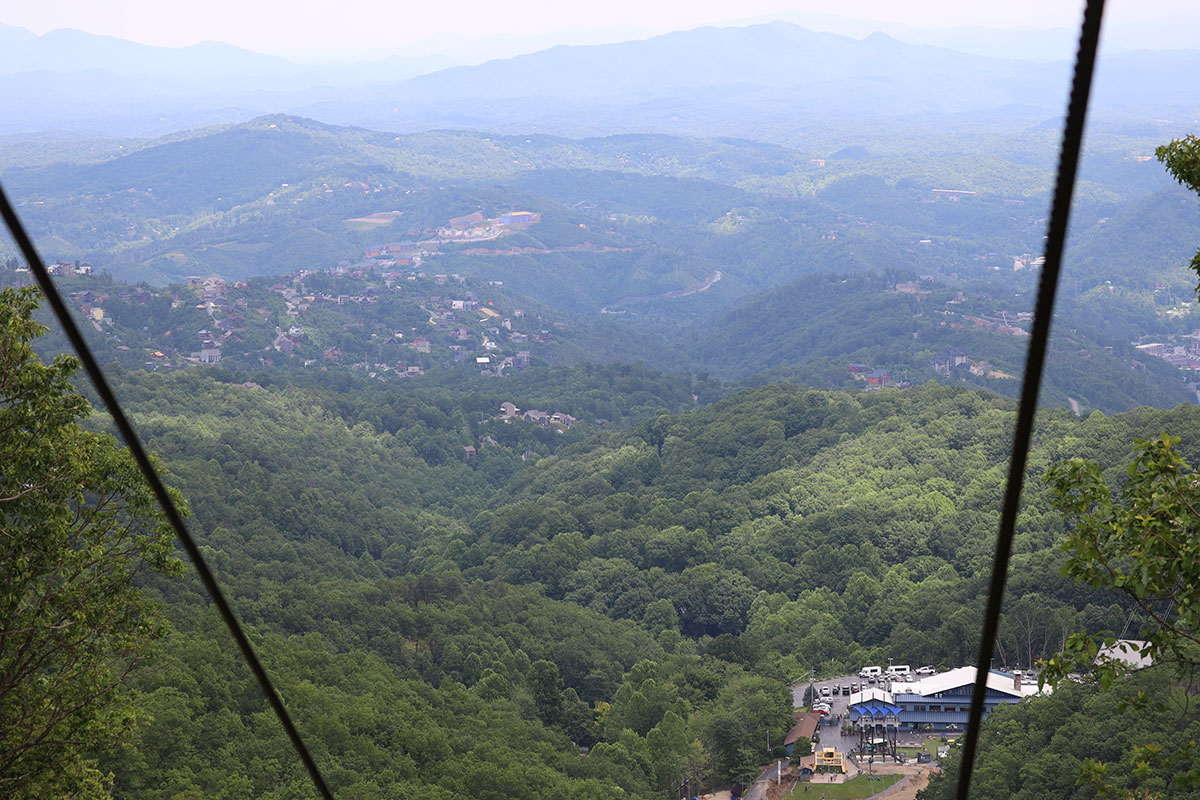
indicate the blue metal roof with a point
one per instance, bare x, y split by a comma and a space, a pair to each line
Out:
876, 710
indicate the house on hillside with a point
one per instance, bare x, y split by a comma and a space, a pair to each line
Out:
540, 417
405, 248
947, 360
508, 410
805, 727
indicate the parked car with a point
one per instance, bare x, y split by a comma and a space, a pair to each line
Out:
825, 691
926, 671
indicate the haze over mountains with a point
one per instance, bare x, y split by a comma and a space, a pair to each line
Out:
767, 81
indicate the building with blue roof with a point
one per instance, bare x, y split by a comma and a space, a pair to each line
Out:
940, 702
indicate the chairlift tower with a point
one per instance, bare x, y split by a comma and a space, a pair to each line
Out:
878, 727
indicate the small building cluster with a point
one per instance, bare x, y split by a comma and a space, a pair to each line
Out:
945, 362
475, 227
953, 359
472, 227
61, 268
557, 419
457, 326
1184, 356
875, 378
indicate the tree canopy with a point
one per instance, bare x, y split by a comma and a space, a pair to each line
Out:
77, 527
1182, 159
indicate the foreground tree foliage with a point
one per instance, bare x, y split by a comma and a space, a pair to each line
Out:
1142, 544
77, 527
1181, 157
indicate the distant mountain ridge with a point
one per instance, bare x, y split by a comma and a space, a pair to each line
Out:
205, 65
67, 50
769, 70
770, 81
74, 81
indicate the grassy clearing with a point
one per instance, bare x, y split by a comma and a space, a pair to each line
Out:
365, 224
856, 789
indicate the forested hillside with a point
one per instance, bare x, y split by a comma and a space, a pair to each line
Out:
855, 331
649, 592
813, 329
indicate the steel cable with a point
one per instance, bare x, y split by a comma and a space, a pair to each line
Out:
92, 368
1068, 163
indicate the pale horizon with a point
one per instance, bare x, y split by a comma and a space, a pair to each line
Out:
367, 29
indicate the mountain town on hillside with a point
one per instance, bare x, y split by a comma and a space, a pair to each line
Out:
388, 317
344, 315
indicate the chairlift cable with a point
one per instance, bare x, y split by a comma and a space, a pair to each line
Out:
1068, 163
92, 368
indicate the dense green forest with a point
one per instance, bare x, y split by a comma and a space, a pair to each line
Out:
462, 627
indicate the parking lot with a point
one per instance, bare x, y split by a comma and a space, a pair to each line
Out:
839, 690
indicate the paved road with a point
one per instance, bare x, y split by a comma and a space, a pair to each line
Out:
758, 791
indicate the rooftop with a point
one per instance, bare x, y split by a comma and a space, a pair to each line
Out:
965, 676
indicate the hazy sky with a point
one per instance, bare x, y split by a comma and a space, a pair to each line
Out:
374, 26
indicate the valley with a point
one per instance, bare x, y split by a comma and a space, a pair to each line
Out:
551, 421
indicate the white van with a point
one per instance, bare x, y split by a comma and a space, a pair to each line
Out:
901, 671
871, 673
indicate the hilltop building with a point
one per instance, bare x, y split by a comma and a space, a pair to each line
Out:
941, 702
945, 362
